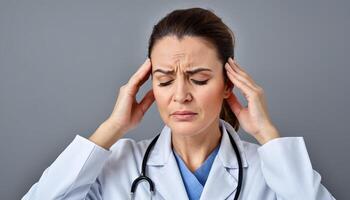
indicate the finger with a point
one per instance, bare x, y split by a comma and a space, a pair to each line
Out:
235, 66
239, 77
141, 73
141, 76
246, 89
236, 107
244, 79
147, 101
141, 68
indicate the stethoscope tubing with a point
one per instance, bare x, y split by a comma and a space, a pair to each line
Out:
144, 177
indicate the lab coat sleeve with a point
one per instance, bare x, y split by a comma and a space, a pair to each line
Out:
287, 169
73, 175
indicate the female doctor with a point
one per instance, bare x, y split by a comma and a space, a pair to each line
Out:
198, 154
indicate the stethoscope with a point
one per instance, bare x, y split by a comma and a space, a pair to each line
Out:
144, 177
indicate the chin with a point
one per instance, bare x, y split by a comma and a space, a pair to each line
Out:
188, 128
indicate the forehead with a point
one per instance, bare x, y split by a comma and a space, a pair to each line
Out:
189, 51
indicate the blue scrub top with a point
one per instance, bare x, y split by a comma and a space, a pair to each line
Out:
194, 182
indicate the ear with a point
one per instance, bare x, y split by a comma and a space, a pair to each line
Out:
228, 88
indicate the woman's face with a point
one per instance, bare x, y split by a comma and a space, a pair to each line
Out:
187, 76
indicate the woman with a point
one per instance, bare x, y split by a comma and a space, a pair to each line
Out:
193, 75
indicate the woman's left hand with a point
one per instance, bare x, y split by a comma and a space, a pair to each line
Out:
254, 118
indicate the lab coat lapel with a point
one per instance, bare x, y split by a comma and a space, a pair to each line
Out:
223, 175
220, 183
163, 169
222, 180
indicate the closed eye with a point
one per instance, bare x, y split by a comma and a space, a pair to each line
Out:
194, 81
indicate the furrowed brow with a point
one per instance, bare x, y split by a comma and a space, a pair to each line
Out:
190, 72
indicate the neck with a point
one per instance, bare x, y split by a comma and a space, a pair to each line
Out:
194, 150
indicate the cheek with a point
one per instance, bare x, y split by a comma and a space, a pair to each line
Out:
211, 98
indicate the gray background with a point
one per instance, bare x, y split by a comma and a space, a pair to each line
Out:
62, 63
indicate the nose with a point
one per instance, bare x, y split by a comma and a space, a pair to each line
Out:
182, 91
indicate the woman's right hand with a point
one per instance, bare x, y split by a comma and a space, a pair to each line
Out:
127, 112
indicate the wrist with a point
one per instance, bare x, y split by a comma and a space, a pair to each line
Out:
267, 133
112, 127
106, 135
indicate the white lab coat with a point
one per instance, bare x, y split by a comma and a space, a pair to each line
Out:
279, 169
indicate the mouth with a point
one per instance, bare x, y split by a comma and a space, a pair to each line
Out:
184, 115
184, 112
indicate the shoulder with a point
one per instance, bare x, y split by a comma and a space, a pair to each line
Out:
130, 145
125, 159
124, 165
251, 152
250, 147
127, 148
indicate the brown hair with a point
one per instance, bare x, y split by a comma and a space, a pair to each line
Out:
201, 23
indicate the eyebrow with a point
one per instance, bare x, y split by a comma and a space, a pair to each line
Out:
190, 72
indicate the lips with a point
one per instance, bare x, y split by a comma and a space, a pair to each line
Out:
184, 115
184, 112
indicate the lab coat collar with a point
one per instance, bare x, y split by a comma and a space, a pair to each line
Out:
163, 148
227, 155
223, 175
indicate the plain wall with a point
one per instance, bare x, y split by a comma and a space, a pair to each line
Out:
62, 63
